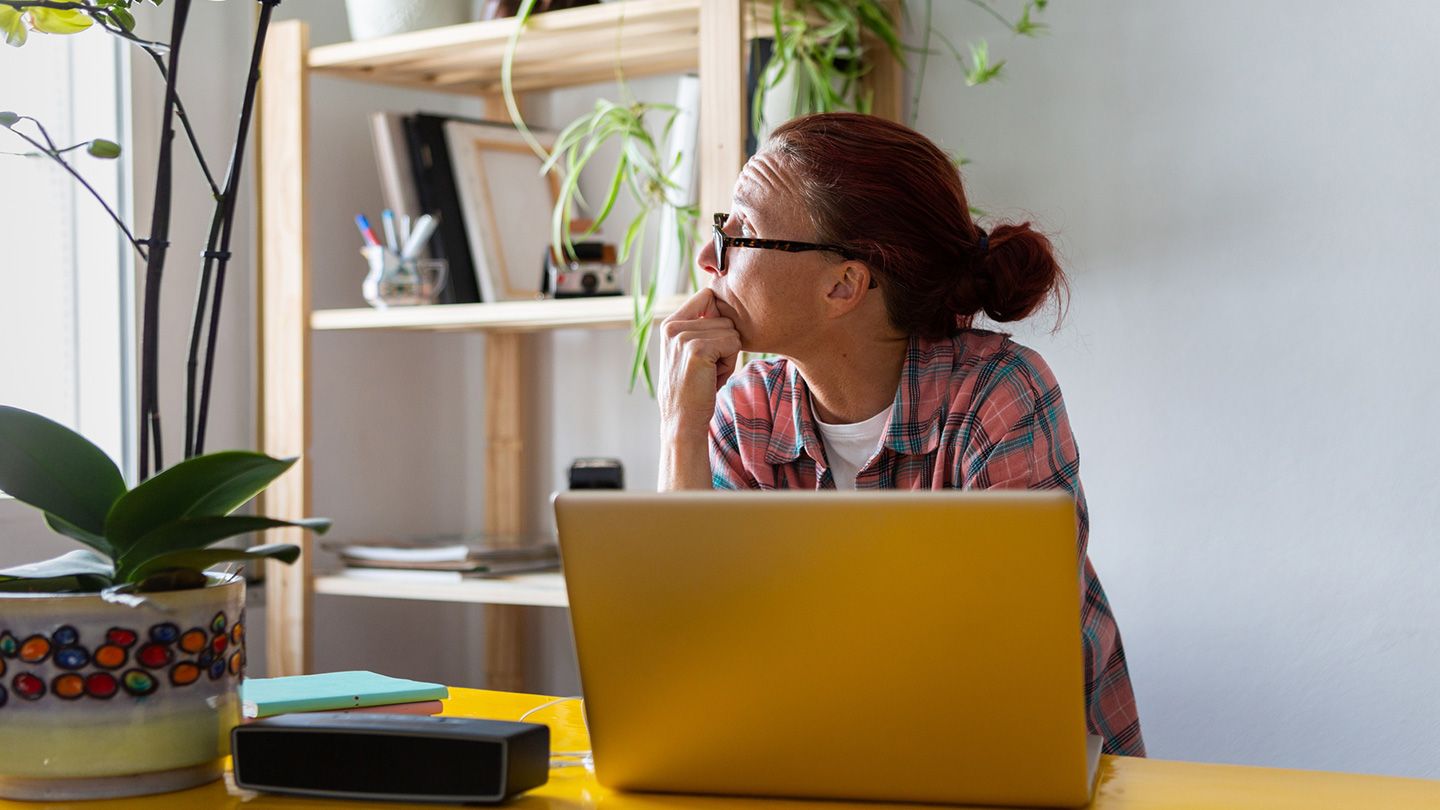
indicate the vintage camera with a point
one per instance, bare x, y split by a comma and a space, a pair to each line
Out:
592, 273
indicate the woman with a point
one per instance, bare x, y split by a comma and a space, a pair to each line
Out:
849, 251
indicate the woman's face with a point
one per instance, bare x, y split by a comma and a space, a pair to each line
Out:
775, 298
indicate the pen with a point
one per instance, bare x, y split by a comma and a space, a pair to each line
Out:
404, 229
365, 232
387, 221
424, 227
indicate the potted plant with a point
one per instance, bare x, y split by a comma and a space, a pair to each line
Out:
120, 662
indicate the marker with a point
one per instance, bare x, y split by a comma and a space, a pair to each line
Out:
404, 228
365, 231
387, 221
424, 227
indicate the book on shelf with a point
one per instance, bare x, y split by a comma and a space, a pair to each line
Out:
438, 196
331, 691
437, 574
392, 159
445, 557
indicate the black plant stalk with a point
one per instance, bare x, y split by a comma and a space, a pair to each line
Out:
224, 218
158, 244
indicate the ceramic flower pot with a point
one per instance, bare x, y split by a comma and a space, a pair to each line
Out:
104, 700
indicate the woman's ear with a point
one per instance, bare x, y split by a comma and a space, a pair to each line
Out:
849, 289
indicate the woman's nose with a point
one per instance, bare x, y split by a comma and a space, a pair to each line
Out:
707, 260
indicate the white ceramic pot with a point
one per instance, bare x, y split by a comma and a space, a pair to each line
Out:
103, 700
379, 18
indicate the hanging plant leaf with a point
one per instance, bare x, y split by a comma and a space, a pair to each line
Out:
56, 470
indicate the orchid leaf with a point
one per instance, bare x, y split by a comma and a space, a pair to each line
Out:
200, 559
188, 534
62, 526
56, 470
208, 485
72, 564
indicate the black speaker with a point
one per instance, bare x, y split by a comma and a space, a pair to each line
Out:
355, 755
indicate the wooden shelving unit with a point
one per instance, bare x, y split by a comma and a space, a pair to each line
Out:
558, 49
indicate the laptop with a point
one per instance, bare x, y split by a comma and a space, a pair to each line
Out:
883, 646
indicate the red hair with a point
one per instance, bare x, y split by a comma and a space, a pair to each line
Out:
893, 200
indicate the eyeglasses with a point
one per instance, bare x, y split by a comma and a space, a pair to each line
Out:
723, 241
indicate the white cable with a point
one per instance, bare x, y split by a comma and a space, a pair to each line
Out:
566, 759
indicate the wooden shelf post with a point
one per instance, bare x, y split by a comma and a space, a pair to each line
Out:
722, 102
284, 144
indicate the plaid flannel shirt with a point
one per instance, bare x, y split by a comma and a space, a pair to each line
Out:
974, 411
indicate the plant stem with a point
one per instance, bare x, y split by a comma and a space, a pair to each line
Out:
980, 4
159, 244
924, 63
189, 131
54, 155
226, 210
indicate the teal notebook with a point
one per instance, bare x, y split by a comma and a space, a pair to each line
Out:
327, 691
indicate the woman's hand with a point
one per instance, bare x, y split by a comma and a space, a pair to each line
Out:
698, 347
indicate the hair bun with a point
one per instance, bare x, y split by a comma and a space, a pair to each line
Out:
1015, 274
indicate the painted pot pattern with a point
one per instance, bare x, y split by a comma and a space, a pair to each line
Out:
128, 662
91, 689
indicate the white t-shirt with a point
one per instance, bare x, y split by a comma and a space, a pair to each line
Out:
848, 447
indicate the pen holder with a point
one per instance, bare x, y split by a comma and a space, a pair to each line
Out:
394, 281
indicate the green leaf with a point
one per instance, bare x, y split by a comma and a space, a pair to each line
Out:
981, 70
124, 17
7, 118
80, 583
13, 25
200, 559
62, 526
102, 148
54, 469
75, 563
194, 533
212, 484
1027, 27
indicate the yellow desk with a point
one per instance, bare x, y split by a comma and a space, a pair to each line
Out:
1125, 783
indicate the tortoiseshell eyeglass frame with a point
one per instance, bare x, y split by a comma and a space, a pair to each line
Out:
723, 241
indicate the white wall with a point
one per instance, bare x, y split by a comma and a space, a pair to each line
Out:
1246, 197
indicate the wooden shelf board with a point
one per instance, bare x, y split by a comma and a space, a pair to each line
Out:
541, 590
506, 316
565, 48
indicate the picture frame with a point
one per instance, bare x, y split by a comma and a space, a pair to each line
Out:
506, 203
